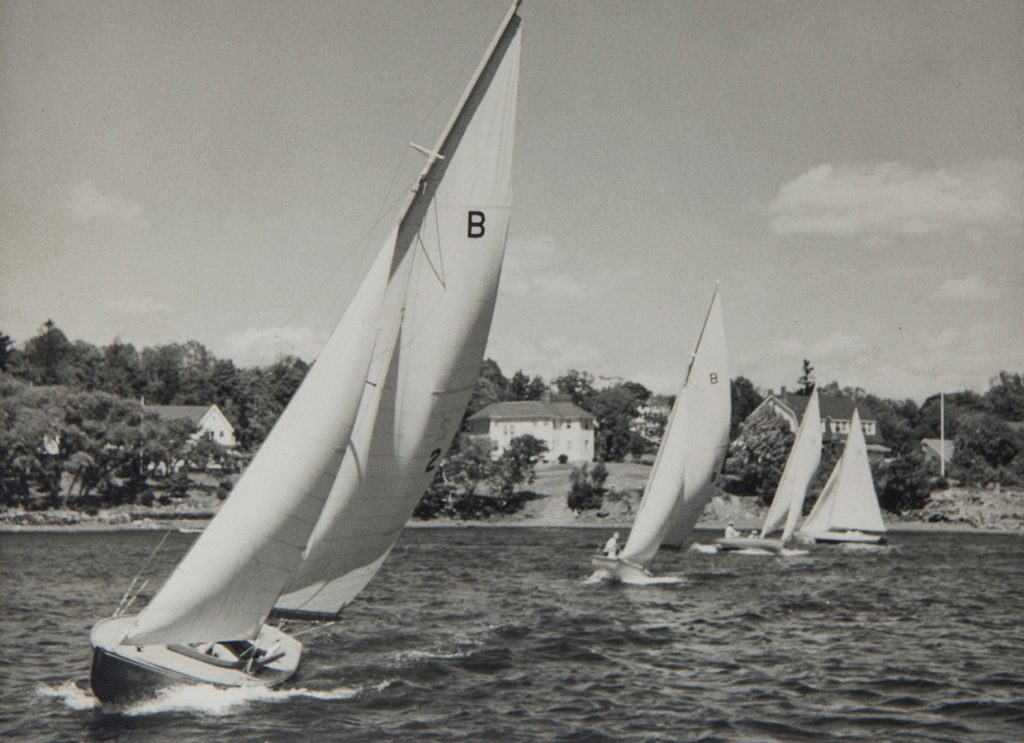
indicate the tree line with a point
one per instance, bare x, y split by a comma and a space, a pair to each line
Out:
90, 398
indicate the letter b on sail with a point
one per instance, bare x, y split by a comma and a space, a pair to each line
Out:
475, 224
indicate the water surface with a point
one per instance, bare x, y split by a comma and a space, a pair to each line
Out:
470, 634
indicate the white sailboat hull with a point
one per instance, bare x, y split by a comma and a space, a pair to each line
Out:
122, 673
732, 544
840, 537
617, 570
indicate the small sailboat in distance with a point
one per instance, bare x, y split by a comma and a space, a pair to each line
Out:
326, 497
847, 509
788, 501
688, 461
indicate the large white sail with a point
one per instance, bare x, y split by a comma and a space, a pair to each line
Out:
440, 300
226, 585
692, 450
802, 463
848, 500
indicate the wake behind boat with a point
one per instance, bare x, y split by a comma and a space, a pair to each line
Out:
323, 502
788, 501
690, 456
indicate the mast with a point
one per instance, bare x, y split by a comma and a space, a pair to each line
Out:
942, 434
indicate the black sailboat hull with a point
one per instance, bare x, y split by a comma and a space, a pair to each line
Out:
124, 672
117, 680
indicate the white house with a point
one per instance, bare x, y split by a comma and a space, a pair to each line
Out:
209, 419
565, 427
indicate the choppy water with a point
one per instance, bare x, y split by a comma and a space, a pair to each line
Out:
476, 634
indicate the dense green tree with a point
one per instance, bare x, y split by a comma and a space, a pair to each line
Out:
6, 350
577, 386
491, 387
45, 356
517, 465
902, 483
745, 399
957, 404
616, 408
121, 370
586, 487
522, 387
986, 450
1005, 397
805, 383
162, 370
757, 456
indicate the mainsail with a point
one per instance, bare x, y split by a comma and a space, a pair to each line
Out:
802, 463
323, 502
440, 301
848, 500
692, 450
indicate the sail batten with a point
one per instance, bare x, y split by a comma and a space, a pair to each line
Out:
692, 449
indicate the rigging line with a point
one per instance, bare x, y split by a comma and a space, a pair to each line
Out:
439, 275
122, 605
386, 207
315, 628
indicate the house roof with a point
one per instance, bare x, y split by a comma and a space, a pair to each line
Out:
524, 409
832, 408
194, 413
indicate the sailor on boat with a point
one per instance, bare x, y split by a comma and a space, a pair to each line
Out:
731, 531
611, 547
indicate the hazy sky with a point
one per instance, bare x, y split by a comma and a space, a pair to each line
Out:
850, 172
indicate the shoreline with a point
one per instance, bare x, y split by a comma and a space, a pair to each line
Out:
186, 526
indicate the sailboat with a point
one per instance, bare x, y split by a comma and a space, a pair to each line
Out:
688, 461
326, 497
788, 501
847, 509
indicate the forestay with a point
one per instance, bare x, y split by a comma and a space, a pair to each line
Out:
848, 500
437, 311
692, 449
802, 463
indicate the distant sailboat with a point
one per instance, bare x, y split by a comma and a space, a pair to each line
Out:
847, 508
788, 501
691, 454
323, 502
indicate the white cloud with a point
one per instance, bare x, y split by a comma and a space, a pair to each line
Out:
838, 347
973, 287
261, 346
89, 202
892, 199
538, 269
138, 306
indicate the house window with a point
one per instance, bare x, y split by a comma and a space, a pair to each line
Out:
841, 426
869, 427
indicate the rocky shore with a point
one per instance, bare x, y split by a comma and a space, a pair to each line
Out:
966, 509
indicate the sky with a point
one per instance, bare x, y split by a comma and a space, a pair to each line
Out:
851, 174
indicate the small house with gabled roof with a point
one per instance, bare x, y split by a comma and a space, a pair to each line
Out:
208, 419
836, 414
566, 428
